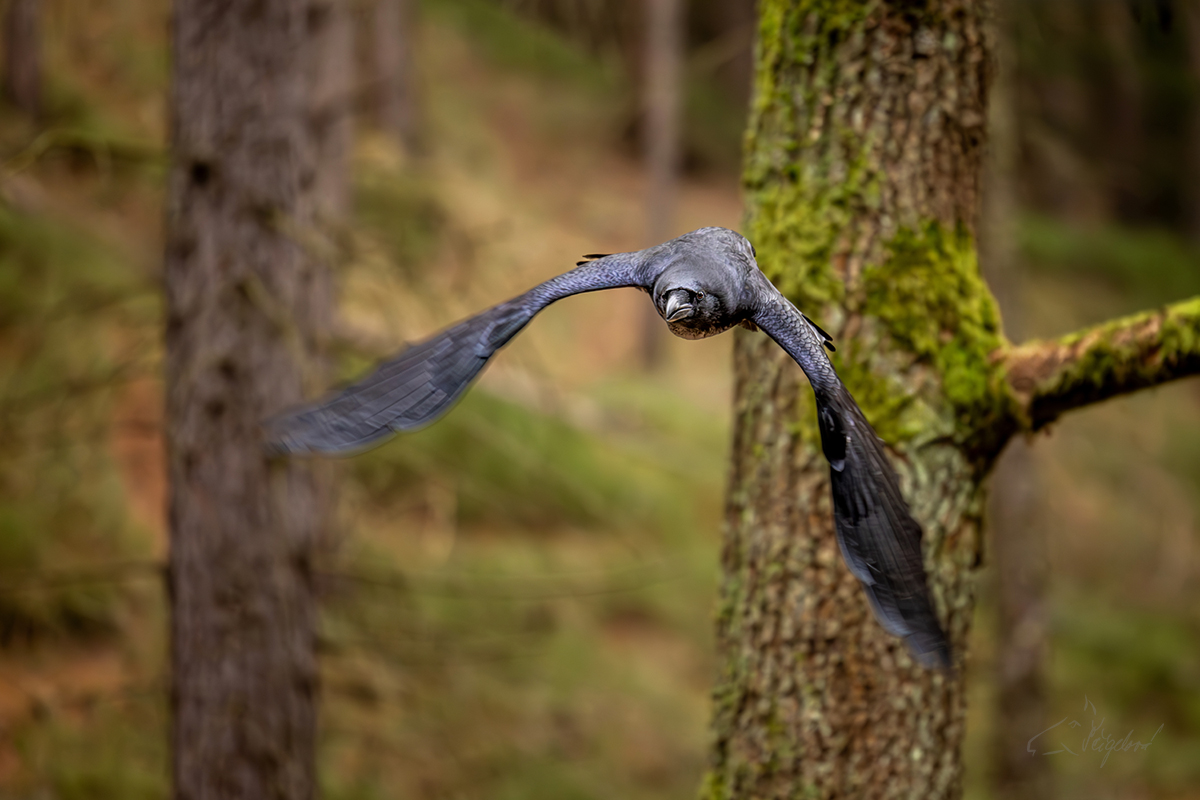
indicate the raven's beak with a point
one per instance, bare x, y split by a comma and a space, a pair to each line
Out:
678, 306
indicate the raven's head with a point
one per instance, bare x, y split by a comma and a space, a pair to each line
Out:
693, 307
700, 293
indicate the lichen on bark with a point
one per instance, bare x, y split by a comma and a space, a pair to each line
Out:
929, 295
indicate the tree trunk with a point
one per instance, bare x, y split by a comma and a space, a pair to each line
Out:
862, 179
1190, 18
1120, 104
244, 305
331, 99
661, 110
395, 85
23, 56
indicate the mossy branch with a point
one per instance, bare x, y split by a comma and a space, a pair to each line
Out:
1115, 358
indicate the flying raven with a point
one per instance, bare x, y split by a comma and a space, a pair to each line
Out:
702, 283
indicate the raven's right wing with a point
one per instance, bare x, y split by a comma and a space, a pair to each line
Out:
879, 539
422, 382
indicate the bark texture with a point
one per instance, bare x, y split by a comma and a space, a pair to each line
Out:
863, 174
245, 305
23, 55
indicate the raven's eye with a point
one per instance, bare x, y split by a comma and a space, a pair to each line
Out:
699, 295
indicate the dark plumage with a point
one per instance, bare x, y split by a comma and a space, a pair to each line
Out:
702, 284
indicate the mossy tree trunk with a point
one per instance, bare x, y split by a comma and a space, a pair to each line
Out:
863, 170
862, 177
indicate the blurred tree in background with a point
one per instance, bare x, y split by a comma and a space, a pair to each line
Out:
248, 313
1017, 549
23, 55
393, 35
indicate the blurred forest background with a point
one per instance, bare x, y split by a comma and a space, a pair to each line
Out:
518, 600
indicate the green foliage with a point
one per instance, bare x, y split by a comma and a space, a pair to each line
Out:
61, 505
509, 463
127, 761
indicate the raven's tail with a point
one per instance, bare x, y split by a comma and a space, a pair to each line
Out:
409, 391
879, 538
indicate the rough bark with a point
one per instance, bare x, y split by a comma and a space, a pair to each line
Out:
244, 311
661, 111
393, 25
862, 180
23, 56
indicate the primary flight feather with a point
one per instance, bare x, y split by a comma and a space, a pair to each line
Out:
702, 283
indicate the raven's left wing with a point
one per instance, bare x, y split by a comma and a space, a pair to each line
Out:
422, 382
879, 539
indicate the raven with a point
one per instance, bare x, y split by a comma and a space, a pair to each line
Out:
702, 283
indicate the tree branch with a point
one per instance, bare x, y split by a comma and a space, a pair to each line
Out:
1115, 358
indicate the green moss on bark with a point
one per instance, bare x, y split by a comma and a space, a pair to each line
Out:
801, 209
933, 302
1111, 359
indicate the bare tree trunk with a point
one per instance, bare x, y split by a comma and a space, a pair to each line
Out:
1121, 105
1018, 552
331, 95
245, 305
862, 176
739, 15
664, 56
331, 98
395, 84
23, 56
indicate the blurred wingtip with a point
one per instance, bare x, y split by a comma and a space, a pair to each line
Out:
931, 651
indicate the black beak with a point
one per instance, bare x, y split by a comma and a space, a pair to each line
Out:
679, 306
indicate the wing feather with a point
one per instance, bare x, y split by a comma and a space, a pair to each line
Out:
879, 539
422, 382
